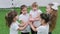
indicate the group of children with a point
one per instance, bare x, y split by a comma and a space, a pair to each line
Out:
35, 22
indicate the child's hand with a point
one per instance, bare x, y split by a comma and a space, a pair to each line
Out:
31, 19
26, 24
30, 23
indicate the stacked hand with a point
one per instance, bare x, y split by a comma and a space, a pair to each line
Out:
26, 24
30, 23
31, 20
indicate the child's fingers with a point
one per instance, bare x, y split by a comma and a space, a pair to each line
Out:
30, 23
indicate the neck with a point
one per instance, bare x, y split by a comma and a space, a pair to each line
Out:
14, 21
44, 24
24, 13
34, 10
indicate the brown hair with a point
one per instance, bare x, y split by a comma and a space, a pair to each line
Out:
34, 4
22, 7
45, 17
50, 4
53, 18
9, 17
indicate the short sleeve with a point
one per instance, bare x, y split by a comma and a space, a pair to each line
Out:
18, 23
30, 12
40, 11
20, 17
15, 27
40, 29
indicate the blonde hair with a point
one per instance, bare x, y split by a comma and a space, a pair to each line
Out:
34, 4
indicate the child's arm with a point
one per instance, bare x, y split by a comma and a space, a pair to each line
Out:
31, 19
33, 28
22, 24
30, 16
37, 18
22, 28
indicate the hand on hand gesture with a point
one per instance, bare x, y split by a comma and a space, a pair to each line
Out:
31, 19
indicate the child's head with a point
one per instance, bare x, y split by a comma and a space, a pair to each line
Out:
44, 18
23, 9
48, 8
51, 8
34, 6
11, 17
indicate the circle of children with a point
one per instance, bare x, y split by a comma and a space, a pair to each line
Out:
35, 22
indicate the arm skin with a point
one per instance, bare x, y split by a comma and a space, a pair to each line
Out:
37, 18
22, 28
33, 28
22, 24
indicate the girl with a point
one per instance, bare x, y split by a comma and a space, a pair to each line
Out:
24, 17
11, 21
52, 11
44, 27
34, 16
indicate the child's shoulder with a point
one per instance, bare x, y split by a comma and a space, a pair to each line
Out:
27, 14
31, 10
20, 15
40, 28
39, 11
14, 23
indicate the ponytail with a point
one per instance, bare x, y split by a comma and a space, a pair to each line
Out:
9, 17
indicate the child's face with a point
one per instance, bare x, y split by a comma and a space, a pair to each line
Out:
48, 9
34, 8
24, 11
15, 18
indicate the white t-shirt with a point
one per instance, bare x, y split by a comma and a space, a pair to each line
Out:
34, 14
43, 29
14, 28
25, 18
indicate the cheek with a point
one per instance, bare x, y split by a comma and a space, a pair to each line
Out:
40, 20
16, 18
34, 8
48, 10
25, 11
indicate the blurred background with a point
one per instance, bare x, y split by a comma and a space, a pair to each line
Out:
7, 5
18, 3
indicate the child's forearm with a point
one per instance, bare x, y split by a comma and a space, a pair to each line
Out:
33, 28
22, 28
36, 19
21, 25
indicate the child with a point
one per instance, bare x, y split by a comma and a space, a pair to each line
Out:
52, 11
24, 17
44, 27
11, 21
34, 16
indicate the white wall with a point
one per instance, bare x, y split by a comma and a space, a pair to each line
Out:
18, 3
5, 3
